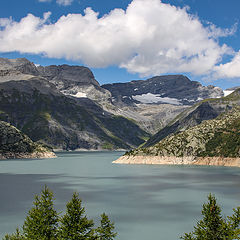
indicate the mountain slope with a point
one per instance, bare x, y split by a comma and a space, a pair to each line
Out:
218, 137
38, 109
15, 144
154, 102
77, 81
213, 142
205, 110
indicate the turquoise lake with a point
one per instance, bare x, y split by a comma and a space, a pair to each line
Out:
146, 202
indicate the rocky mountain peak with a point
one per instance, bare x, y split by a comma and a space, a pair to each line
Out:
77, 74
172, 89
22, 65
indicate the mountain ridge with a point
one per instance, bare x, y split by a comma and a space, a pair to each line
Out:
74, 111
212, 142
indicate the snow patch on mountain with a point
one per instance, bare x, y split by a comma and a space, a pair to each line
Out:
79, 95
227, 92
155, 98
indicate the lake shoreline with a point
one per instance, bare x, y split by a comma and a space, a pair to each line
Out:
162, 160
11, 155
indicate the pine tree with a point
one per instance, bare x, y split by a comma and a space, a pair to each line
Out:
234, 224
42, 220
213, 226
74, 225
105, 231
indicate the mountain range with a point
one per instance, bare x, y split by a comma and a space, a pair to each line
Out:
206, 134
66, 108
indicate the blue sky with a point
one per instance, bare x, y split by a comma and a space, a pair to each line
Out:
198, 38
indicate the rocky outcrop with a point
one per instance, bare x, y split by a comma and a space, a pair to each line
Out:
77, 81
159, 160
172, 89
15, 144
16, 69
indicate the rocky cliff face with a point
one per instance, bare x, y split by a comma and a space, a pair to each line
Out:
16, 69
15, 144
155, 102
172, 89
75, 81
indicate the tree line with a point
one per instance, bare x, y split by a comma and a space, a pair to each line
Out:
44, 223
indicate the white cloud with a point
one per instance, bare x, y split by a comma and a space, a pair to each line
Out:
44, 0
149, 38
228, 70
64, 2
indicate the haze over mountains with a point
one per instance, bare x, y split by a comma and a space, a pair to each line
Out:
66, 108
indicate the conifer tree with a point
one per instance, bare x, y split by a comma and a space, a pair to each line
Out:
213, 226
106, 229
74, 225
42, 220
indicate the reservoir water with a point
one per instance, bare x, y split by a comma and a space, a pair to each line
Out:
146, 202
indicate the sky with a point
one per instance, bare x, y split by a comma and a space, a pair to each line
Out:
124, 40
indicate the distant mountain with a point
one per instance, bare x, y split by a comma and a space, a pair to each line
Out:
233, 88
205, 110
230, 90
64, 106
43, 113
53, 105
77, 81
213, 142
15, 144
172, 89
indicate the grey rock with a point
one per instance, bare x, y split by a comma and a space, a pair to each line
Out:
175, 89
205, 110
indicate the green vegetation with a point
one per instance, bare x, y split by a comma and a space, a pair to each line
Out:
213, 225
44, 223
66, 123
218, 137
14, 141
108, 146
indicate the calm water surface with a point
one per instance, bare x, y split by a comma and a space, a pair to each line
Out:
145, 202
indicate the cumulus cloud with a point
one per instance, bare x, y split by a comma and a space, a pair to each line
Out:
149, 38
230, 69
